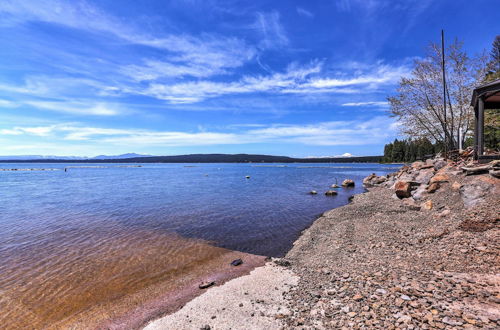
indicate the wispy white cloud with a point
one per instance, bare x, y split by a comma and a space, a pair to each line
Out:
211, 50
37, 130
304, 12
366, 104
295, 80
7, 104
353, 132
78, 108
195, 91
272, 31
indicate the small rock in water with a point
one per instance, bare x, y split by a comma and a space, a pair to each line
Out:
348, 183
206, 284
334, 185
331, 193
313, 192
236, 262
248, 176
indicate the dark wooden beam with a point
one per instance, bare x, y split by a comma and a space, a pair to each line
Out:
480, 127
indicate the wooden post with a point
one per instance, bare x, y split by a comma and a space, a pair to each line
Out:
475, 132
480, 127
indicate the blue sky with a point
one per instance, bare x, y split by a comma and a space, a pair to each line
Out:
298, 78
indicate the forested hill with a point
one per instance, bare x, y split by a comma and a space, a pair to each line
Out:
210, 158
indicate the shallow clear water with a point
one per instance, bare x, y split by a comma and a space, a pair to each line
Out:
123, 228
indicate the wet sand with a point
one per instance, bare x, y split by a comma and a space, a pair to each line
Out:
121, 282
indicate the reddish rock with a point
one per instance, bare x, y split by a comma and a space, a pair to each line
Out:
433, 187
440, 177
427, 205
403, 189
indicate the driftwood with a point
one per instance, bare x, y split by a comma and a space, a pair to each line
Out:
493, 166
476, 170
495, 173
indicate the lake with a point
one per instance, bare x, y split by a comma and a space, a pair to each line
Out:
72, 240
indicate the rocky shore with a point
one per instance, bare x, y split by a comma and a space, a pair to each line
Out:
419, 250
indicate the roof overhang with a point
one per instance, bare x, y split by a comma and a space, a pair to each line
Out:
490, 93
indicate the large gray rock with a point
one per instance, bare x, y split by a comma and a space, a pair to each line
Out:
420, 192
424, 176
439, 164
374, 180
474, 193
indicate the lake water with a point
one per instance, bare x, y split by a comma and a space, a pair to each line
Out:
71, 240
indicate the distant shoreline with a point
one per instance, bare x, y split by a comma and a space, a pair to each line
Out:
208, 158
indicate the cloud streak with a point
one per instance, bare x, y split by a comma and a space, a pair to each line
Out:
331, 133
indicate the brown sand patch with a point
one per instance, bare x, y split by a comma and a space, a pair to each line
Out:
119, 280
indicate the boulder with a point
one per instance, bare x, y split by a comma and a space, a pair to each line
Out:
411, 205
424, 176
331, 193
474, 193
440, 177
417, 165
439, 164
373, 180
403, 189
433, 187
420, 192
348, 183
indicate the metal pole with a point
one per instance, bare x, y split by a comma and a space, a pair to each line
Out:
444, 97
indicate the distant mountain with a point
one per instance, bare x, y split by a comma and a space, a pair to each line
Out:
201, 158
129, 155
39, 157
